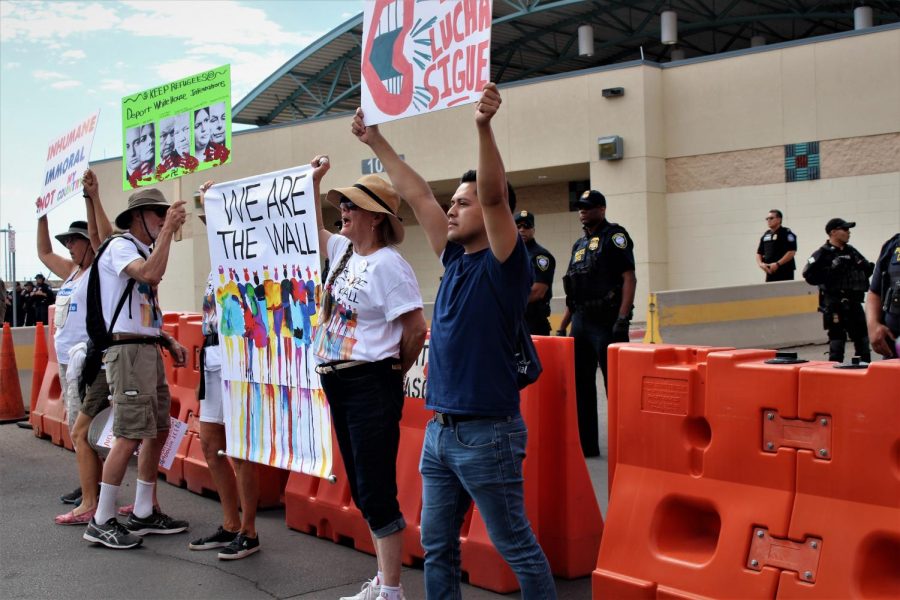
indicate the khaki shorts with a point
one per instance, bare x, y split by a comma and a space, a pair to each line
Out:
96, 396
140, 393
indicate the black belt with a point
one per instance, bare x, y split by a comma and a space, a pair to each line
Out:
151, 340
451, 420
210, 339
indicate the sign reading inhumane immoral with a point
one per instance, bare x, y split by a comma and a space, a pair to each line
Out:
176, 128
67, 158
423, 56
264, 249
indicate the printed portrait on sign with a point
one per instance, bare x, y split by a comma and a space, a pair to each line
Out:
140, 153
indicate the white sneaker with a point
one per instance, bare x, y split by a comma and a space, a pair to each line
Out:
369, 591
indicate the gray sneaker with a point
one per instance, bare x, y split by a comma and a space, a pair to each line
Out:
111, 534
157, 522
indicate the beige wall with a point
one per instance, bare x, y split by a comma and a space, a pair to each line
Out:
708, 121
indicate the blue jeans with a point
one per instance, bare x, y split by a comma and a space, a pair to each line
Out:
478, 460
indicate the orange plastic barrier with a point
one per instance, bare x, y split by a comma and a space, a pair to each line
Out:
48, 419
183, 384
40, 361
559, 497
694, 480
848, 489
11, 406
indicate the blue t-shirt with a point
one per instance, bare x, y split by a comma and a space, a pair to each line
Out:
479, 305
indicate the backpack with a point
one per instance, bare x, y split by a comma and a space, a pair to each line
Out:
99, 336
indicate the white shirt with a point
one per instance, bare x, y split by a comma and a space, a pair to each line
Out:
138, 315
69, 319
369, 294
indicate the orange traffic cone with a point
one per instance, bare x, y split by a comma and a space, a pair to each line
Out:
40, 364
11, 407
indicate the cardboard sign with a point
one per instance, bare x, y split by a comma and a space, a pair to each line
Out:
177, 128
420, 57
67, 158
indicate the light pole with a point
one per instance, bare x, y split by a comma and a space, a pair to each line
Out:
10, 246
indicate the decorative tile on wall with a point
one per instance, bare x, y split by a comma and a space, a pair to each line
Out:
801, 161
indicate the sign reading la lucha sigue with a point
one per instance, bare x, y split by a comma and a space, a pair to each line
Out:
421, 57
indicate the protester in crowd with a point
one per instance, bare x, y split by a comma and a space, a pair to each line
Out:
472, 378
42, 297
201, 132
543, 266
125, 278
776, 250
237, 536
4, 301
81, 240
371, 328
883, 301
599, 285
842, 275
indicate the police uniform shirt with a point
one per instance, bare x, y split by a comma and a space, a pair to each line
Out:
775, 244
888, 266
544, 266
606, 253
848, 279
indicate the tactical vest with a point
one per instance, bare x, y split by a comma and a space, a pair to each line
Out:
587, 285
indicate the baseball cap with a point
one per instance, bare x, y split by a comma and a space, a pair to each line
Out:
838, 223
591, 199
523, 216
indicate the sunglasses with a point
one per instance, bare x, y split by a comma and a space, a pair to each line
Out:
771, 218
348, 205
159, 211
523, 226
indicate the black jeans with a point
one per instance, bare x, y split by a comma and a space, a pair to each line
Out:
847, 319
592, 338
366, 405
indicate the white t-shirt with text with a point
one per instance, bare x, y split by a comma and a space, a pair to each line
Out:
369, 294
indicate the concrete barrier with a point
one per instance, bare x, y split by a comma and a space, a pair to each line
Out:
766, 315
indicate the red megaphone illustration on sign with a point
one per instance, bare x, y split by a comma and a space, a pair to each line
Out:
388, 73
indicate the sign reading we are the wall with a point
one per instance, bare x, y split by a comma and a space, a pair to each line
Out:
420, 56
264, 251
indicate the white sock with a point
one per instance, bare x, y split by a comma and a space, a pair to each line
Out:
379, 577
106, 505
391, 593
143, 499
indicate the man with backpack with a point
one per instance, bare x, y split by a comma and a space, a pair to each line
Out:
124, 283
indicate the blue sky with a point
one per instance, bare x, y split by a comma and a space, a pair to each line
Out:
61, 61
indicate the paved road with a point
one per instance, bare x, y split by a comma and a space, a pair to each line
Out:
41, 560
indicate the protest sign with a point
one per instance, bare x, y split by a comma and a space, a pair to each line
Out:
176, 128
67, 159
264, 246
420, 57
177, 429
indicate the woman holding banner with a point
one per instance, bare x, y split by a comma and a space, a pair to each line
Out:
81, 240
370, 330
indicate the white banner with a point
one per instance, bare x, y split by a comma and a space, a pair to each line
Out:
264, 245
67, 159
421, 57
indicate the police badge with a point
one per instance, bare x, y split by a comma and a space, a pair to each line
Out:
620, 240
595, 243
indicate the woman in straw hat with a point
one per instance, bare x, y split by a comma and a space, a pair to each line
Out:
81, 240
370, 330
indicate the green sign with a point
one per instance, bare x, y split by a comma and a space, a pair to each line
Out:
176, 128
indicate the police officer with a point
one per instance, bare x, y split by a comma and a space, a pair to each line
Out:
776, 250
543, 265
842, 274
883, 301
599, 285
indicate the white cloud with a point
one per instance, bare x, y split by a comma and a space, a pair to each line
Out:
73, 55
118, 86
51, 21
46, 75
12, 65
65, 84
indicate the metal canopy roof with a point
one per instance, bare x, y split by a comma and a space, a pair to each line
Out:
534, 38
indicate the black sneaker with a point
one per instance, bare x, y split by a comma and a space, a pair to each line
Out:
240, 547
157, 522
73, 497
219, 539
111, 534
